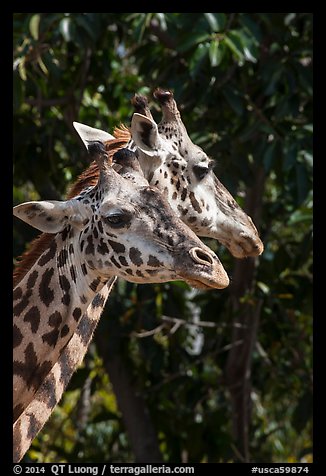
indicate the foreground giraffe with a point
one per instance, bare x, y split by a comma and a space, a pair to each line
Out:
223, 219
117, 228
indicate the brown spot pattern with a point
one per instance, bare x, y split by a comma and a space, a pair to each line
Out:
135, 256
84, 269
102, 247
17, 336
94, 284
64, 283
23, 369
23, 303
32, 279
77, 313
194, 202
64, 331
117, 247
49, 255
183, 194
89, 250
98, 301
33, 317
73, 273
51, 338
123, 261
62, 258
153, 261
46, 293
17, 294
33, 427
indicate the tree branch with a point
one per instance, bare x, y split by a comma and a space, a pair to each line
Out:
41, 102
162, 35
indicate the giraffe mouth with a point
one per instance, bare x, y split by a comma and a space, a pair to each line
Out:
198, 284
246, 248
194, 283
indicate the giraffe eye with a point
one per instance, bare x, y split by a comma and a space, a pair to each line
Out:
201, 171
117, 220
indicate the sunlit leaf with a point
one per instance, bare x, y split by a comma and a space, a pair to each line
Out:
263, 287
65, 28
215, 53
34, 25
22, 69
232, 40
42, 65
216, 21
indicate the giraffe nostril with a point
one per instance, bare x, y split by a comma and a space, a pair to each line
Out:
201, 256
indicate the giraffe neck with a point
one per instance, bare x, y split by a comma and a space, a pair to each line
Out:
35, 415
48, 305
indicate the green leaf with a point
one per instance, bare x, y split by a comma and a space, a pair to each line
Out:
263, 287
42, 65
34, 25
192, 40
216, 21
235, 100
251, 27
197, 58
248, 55
65, 28
215, 53
232, 40
22, 69
309, 128
211, 21
289, 18
162, 20
301, 215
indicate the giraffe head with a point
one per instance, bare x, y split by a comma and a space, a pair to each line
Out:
124, 227
183, 171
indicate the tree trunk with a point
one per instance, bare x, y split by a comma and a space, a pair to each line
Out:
247, 313
135, 415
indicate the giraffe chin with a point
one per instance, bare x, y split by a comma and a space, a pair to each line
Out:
206, 286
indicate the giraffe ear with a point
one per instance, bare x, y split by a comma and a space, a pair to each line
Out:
90, 134
50, 216
145, 133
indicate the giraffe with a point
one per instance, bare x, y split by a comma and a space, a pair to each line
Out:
119, 227
246, 243
183, 172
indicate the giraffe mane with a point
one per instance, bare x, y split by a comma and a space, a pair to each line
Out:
86, 179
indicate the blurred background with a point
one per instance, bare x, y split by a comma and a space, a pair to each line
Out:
223, 376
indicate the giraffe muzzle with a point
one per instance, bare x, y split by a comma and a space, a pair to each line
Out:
210, 273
